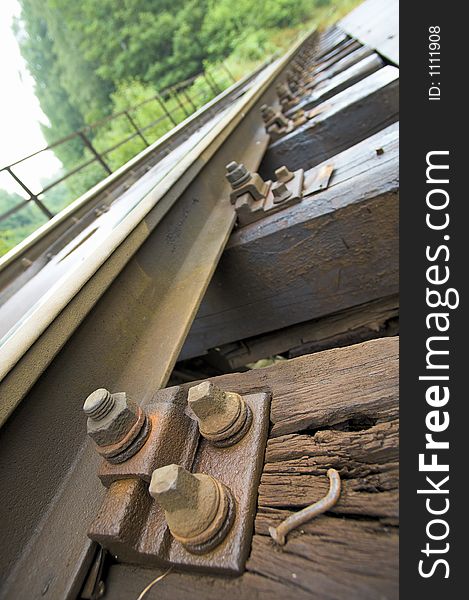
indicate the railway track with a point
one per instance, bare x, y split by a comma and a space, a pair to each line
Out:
112, 298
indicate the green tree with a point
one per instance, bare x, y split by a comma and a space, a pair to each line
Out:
92, 58
37, 47
20, 224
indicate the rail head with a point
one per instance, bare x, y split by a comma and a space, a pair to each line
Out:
27, 247
28, 348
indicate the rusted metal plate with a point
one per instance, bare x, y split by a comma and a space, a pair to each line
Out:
127, 338
173, 439
132, 526
348, 398
332, 252
286, 191
317, 179
281, 195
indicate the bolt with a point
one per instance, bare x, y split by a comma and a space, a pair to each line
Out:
199, 509
284, 174
99, 404
268, 113
272, 117
280, 192
237, 174
223, 417
175, 488
25, 262
116, 424
283, 91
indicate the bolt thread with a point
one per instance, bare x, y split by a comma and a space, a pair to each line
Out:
99, 404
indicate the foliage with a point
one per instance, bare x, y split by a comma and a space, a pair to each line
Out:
20, 224
79, 53
91, 59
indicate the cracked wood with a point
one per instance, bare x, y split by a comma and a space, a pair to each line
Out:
338, 409
334, 250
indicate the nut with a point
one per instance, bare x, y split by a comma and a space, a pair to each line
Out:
284, 174
223, 417
272, 118
116, 424
110, 416
244, 182
284, 92
199, 509
268, 113
280, 192
237, 174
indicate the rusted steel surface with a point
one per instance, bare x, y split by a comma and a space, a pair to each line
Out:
224, 418
133, 527
180, 482
33, 254
256, 198
173, 438
333, 250
257, 201
122, 330
336, 409
118, 426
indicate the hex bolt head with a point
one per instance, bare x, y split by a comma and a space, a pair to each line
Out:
280, 192
223, 417
175, 488
199, 509
267, 112
116, 424
237, 174
284, 92
284, 174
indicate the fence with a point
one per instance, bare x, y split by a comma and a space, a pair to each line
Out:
170, 106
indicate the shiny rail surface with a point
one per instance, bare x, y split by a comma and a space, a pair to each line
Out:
32, 306
111, 309
22, 262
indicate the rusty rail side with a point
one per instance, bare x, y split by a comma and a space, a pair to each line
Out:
150, 284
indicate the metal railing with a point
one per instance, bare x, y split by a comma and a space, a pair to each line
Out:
178, 98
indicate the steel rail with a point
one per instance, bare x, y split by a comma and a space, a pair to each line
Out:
118, 320
98, 156
64, 226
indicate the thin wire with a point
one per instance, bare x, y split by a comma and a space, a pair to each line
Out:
150, 585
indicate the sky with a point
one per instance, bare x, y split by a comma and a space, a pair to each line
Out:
20, 113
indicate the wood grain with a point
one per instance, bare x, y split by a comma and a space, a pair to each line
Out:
334, 250
338, 409
333, 85
352, 115
376, 319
